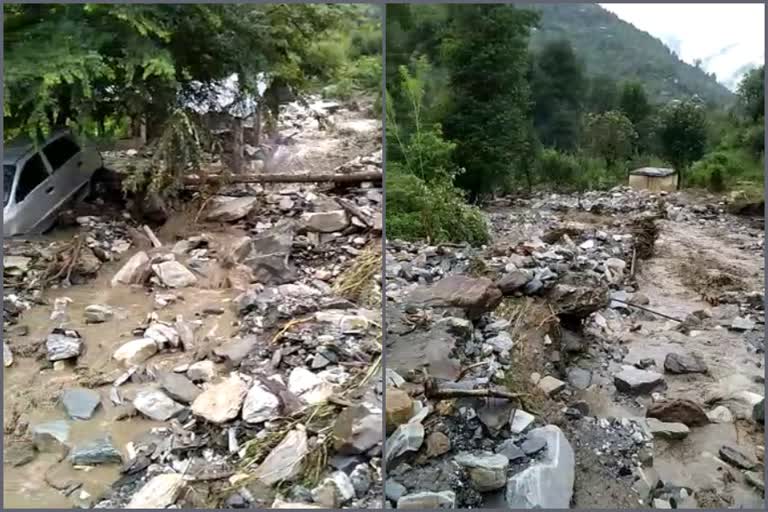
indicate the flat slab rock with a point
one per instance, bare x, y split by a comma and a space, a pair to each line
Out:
678, 410
160, 492
221, 402
667, 430
427, 500
477, 295
548, 482
634, 381
80, 403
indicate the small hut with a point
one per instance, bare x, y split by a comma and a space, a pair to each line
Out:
656, 179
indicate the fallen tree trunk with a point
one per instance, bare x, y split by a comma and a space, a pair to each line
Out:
287, 178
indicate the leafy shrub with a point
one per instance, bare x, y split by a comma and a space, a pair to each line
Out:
436, 211
725, 169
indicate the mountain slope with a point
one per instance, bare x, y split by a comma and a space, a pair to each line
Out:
610, 46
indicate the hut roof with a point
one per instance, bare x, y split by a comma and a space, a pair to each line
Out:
656, 172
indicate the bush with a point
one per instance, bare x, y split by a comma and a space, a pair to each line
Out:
724, 170
436, 212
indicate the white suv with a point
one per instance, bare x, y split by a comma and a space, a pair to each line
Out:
39, 180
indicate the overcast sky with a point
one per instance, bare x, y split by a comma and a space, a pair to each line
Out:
725, 36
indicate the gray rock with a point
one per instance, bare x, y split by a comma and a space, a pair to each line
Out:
202, 371
513, 281
231, 209
520, 420
361, 478
99, 451
579, 378
742, 324
393, 490
550, 385
63, 345
136, 351
510, 450
635, 381
179, 387
758, 412
502, 342
222, 401
737, 458
756, 479
720, 414
52, 436
667, 430
156, 405
285, 461
326, 222
356, 430
80, 403
487, 471
533, 287
133, 271
235, 350
174, 275
260, 405
425, 500
407, 437
7, 355
548, 483
680, 363
475, 295
533, 445
97, 314
159, 492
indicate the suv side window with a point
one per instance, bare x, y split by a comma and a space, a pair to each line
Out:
32, 175
60, 151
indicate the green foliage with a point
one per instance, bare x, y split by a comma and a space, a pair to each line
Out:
725, 169
559, 86
603, 95
752, 94
634, 103
485, 51
436, 212
422, 201
683, 134
611, 136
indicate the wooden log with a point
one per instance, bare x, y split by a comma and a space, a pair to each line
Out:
287, 178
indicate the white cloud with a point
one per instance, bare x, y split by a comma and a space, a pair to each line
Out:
726, 37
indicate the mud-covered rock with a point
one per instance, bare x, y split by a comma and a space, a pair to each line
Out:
678, 410
475, 295
634, 381
221, 402
684, 363
63, 344
487, 471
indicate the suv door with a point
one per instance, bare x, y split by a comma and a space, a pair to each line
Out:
65, 158
33, 200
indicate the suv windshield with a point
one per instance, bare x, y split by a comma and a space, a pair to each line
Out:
8, 173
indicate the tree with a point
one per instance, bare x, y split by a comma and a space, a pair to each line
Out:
486, 48
634, 103
603, 95
683, 135
559, 88
611, 136
752, 94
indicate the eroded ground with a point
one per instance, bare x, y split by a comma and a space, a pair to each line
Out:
235, 365
613, 406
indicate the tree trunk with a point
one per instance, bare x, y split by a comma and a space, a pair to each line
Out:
256, 134
237, 146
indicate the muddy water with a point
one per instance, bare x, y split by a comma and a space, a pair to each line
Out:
35, 392
692, 461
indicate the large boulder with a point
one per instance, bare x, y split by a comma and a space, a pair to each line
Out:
174, 275
678, 410
221, 402
548, 482
634, 381
477, 295
134, 271
231, 209
488, 471
578, 301
684, 363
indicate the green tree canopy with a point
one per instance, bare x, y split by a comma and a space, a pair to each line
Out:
611, 136
683, 134
486, 55
559, 88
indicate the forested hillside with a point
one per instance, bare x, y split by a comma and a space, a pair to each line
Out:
478, 106
612, 47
